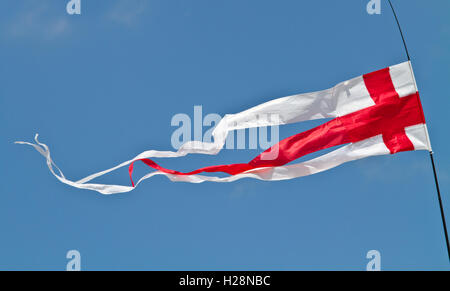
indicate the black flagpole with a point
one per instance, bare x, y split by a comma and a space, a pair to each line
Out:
431, 152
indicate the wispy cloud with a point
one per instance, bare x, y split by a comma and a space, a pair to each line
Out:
127, 12
35, 19
48, 20
387, 168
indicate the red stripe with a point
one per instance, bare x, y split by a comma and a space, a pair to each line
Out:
380, 86
397, 141
389, 117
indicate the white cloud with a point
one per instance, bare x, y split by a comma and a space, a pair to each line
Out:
35, 19
127, 12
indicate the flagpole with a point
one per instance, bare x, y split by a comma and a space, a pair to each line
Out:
440, 204
431, 152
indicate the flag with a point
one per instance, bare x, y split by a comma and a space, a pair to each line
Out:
378, 113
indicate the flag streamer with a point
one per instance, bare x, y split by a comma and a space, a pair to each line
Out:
375, 114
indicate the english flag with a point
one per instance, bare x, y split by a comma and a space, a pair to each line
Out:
374, 114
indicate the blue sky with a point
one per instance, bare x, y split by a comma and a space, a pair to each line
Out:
103, 86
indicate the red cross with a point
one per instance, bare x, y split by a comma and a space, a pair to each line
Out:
388, 117
404, 112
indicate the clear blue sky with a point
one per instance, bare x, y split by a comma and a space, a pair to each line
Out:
103, 86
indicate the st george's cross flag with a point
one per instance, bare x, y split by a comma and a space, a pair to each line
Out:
378, 113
